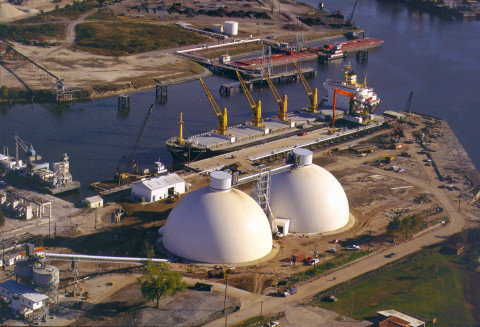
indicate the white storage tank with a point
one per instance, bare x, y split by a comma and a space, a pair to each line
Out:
230, 27
218, 224
309, 196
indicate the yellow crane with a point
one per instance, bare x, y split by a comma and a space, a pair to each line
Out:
282, 102
222, 115
180, 139
256, 107
311, 93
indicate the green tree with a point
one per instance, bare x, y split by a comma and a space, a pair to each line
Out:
159, 281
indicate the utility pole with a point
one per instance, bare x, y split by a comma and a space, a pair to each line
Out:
225, 275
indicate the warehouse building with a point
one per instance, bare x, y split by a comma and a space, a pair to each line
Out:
158, 188
24, 300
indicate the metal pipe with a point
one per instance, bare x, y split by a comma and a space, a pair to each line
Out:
85, 257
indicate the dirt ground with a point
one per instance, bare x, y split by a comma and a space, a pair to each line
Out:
126, 307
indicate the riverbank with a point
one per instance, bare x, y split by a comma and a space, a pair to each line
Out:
95, 76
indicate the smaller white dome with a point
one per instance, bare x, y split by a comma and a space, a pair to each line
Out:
311, 197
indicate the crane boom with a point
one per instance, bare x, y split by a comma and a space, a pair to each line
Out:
312, 94
255, 107
222, 116
26, 147
350, 19
282, 102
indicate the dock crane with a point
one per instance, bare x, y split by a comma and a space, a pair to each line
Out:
409, 102
282, 102
256, 107
334, 101
27, 148
222, 115
129, 160
311, 93
349, 21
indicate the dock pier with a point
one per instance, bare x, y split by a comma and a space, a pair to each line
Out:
227, 89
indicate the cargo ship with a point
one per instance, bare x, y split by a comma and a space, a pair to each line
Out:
36, 173
246, 135
329, 51
364, 100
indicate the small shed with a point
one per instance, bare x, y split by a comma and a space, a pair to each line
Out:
158, 188
94, 201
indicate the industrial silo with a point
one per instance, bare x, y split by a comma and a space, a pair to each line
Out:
218, 224
230, 27
46, 277
309, 196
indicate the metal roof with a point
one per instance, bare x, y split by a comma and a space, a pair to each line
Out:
95, 198
161, 181
394, 313
25, 291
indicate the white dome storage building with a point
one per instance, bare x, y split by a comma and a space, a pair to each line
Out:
309, 196
218, 224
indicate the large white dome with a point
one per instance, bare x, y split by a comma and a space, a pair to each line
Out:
221, 225
311, 198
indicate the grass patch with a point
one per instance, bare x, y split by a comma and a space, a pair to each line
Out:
32, 34
427, 284
126, 38
339, 260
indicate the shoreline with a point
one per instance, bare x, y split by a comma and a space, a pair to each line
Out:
90, 94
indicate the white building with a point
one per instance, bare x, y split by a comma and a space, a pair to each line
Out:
94, 201
22, 299
158, 188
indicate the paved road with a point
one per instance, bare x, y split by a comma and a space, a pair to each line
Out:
273, 305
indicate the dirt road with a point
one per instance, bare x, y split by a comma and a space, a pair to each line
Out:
273, 304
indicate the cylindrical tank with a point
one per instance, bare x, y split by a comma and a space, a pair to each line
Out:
46, 277
230, 27
218, 224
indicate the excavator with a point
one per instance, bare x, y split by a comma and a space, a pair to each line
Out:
255, 106
311, 93
282, 102
222, 115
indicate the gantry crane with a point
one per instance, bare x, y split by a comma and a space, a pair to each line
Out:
222, 115
334, 101
282, 102
311, 93
256, 107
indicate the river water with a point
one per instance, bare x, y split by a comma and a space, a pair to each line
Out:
437, 59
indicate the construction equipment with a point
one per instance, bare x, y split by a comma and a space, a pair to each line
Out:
334, 101
256, 107
221, 115
180, 139
282, 102
132, 168
311, 93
